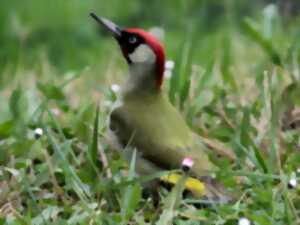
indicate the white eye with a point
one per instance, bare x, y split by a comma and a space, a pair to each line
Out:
132, 40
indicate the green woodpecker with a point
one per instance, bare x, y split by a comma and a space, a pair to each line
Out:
147, 121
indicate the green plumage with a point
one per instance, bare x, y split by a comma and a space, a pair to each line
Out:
150, 123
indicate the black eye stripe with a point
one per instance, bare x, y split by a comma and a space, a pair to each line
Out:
129, 43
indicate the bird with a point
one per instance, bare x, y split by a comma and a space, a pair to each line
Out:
145, 119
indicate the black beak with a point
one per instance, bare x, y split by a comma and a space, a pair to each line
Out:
113, 28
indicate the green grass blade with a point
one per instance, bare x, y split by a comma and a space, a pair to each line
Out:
69, 171
14, 103
93, 153
206, 78
172, 201
132, 193
253, 32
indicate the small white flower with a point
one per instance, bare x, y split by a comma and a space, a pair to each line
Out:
115, 88
169, 65
168, 74
292, 183
38, 132
244, 221
187, 163
298, 170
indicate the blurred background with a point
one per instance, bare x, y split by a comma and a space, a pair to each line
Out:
60, 34
53, 51
62, 31
63, 34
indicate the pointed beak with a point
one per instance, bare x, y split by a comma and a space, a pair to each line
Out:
113, 28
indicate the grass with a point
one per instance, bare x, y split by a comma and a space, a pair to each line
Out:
235, 83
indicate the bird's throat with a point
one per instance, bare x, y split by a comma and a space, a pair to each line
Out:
142, 79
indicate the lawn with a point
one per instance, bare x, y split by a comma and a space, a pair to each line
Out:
235, 80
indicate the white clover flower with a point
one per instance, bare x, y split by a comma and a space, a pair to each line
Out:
38, 132
168, 74
169, 65
292, 183
115, 88
244, 221
187, 163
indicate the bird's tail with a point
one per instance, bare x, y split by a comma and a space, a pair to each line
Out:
215, 192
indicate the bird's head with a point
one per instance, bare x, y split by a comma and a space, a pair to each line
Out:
138, 47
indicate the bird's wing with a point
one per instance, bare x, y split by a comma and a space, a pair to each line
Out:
159, 133
159, 148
